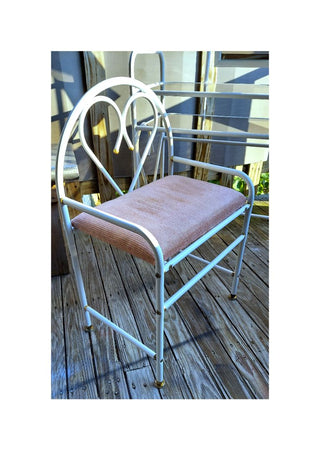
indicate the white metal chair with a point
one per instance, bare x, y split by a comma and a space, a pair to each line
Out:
162, 222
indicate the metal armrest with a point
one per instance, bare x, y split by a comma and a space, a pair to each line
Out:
138, 229
222, 169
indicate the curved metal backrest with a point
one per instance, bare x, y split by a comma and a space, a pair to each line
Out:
93, 96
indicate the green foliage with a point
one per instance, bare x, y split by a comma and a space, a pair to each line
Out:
118, 195
238, 184
263, 187
214, 181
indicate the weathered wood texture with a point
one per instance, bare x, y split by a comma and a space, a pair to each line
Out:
95, 72
214, 347
203, 149
59, 260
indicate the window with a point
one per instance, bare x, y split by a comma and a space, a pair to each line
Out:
242, 59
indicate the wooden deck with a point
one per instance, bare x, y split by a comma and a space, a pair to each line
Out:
214, 348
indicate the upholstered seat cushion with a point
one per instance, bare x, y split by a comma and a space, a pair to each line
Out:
177, 210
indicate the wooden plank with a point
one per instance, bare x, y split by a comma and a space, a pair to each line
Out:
110, 376
258, 265
227, 318
254, 172
203, 149
201, 379
58, 363
141, 385
89, 187
215, 348
206, 338
95, 72
254, 246
59, 259
256, 284
109, 371
144, 313
256, 307
73, 191
80, 369
233, 385
247, 279
255, 336
120, 309
261, 204
260, 227
257, 245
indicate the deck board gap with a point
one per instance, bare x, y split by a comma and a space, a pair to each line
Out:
244, 279
237, 329
168, 347
213, 348
126, 291
246, 257
174, 347
181, 310
226, 281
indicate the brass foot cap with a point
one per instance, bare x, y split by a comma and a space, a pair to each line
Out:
232, 296
88, 328
159, 384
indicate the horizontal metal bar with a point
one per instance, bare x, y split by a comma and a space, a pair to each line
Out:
202, 272
201, 94
231, 134
223, 269
209, 166
135, 228
219, 169
219, 141
198, 258
211, 117
119, 330
186, 252
262, 216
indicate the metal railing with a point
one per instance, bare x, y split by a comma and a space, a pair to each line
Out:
202, 136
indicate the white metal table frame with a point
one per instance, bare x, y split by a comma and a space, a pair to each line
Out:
161, 266
193, 134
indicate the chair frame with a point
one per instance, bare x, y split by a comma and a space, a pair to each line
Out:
160, 267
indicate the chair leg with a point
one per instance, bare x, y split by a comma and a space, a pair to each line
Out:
80, 289
75, 265
159, 381
235, 282
245, 229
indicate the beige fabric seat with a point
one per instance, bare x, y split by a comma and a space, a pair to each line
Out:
177, 210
